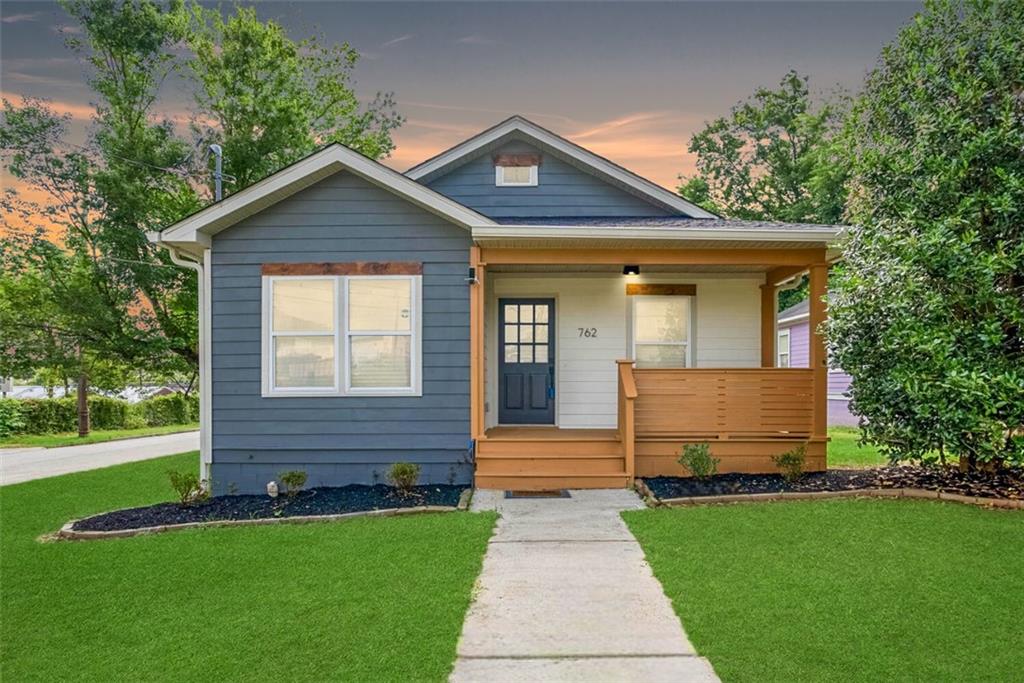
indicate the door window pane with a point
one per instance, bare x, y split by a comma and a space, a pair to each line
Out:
525, 333
540, 354
660, 356
511, 336
304, 362
526, 313
511, 353
381, 361
380, 304
303, 305
661, 319
541, 313
525, 354
511, 313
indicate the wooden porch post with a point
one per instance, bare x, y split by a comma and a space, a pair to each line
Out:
476, 345
768, 335
818, 355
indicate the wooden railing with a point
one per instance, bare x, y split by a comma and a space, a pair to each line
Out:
715, 403
627, 398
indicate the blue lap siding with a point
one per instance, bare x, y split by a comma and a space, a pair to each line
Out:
339, 440
562, 190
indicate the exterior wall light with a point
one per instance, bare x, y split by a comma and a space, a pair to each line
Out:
471, 279
630, 270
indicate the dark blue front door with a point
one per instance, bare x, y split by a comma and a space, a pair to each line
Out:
526, 361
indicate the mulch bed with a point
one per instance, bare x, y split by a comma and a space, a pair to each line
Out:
326, 500
1007, 484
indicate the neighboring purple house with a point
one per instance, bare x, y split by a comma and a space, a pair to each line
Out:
793, 352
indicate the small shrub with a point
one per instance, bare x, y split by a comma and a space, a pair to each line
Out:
188, 486
404, 476
171, 409
293, 481
107, 413
12, 419
697, 460
791, 463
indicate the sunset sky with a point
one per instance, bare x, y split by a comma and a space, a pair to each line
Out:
632, 81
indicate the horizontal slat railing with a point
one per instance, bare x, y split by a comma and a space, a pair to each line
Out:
724, 403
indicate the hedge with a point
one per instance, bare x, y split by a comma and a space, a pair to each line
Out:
52, 415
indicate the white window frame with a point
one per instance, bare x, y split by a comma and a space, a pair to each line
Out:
342, 336
499, 177
778, 349
688, 344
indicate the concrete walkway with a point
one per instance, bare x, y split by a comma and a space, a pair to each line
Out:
25, 464
566, 595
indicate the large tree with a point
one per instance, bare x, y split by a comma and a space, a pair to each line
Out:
771, 158
928, 312
265, 97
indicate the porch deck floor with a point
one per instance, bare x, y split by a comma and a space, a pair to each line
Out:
535, 433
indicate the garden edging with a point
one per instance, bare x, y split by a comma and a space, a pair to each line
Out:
1003, 503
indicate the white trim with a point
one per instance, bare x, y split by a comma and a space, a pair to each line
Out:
518, 124
640, 232
778, 349
499, 177
341, 334
197, 228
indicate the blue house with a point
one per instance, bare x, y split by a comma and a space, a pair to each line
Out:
516, 311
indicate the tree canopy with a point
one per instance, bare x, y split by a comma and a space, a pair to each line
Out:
927, 314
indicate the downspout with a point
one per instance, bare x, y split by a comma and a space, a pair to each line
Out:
205, 381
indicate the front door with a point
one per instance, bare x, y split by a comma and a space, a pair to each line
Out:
526, 361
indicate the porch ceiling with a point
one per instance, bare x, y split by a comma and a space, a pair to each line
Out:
617, 269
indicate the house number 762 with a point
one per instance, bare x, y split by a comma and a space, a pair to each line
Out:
587, 331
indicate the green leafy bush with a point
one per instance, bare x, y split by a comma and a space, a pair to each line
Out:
404, 476
293, 481
188, 486
172, 409
12, 419
106, 413
697, 460
791, 463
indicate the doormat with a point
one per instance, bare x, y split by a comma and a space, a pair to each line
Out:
559, 493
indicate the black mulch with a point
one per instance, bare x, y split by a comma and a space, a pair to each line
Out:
1006, 484
325, 500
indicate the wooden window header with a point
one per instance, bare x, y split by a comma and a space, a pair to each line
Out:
357, 268
516, 160
661, 290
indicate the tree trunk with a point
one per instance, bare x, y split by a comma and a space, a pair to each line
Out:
83, 404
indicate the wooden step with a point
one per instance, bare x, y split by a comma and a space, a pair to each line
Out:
545, 464
549, 448
563, 480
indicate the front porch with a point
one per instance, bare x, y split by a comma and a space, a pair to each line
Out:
556, 334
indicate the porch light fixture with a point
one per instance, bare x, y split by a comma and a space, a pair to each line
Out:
630, 270
471, 278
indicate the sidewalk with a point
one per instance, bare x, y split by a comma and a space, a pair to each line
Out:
566, 595
25, 464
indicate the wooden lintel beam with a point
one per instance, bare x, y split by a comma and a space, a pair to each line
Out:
777, 276
661, 257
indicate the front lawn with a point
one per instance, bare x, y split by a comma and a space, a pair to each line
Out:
375, 599
96, 436
844, 590
844, 451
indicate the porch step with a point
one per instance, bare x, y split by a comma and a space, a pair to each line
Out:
542, 464
549, 448
559, 480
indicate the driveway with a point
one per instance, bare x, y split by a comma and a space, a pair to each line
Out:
566, 595
25, 464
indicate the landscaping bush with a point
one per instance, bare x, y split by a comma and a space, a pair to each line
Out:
12, 419
293, 481
105, 413
188, 486
404, 476
49, 415
172, 409
697, 460
791, 463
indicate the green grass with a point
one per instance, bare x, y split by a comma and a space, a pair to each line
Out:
844, 451
844, 590
362, 600
97, 436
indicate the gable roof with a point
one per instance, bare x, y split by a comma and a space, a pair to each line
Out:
796, 312
203, 224
519, 127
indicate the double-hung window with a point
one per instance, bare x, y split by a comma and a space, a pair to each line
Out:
661, 331
783, 349
341, 335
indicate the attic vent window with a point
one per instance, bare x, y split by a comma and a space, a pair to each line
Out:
516, 170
